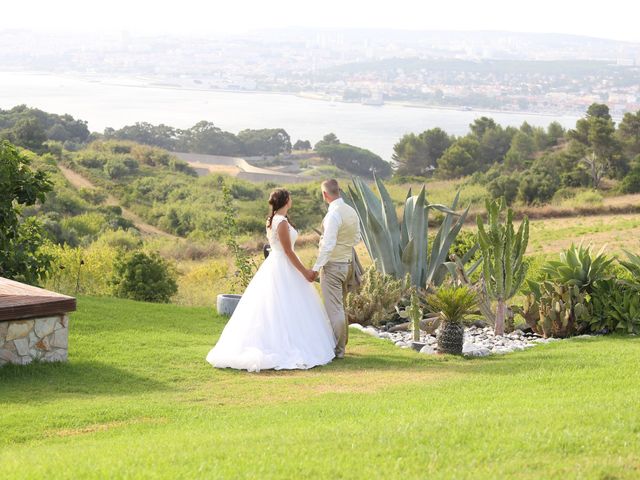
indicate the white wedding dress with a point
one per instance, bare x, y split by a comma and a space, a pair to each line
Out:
280, 321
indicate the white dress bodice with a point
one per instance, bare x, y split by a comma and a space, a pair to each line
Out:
273, 237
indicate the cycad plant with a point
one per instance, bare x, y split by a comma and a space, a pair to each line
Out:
453, 304
503, 251
401, 247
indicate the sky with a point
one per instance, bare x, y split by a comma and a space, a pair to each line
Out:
615, 19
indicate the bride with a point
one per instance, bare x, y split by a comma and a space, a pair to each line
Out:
280, 322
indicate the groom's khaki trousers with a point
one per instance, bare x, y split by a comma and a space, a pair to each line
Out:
333, 277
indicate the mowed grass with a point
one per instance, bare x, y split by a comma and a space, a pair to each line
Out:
137, 400
615, 232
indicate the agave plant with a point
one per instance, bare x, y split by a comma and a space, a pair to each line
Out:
503, 253
632, 264
401, 247
577, 266
453, 304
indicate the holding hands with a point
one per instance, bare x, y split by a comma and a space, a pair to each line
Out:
310, 275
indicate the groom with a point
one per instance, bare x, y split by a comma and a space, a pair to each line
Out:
340, 233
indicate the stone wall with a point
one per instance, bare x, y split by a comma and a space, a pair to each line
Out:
44, 339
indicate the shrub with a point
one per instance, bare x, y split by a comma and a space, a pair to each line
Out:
615, 307
87, 224
631, 183
504, 186
201, 282
586, 197
537, 187
77, 270
124, 240
145, 277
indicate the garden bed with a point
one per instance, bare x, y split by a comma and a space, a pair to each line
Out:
478, 341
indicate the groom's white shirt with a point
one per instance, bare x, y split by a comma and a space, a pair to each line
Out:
331, 225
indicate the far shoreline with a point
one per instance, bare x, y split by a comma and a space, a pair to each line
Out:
306, 95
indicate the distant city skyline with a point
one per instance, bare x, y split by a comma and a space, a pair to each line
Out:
615, 19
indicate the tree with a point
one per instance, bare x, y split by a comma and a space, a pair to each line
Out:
521, 150
629, 134
266, 141
494, 145
20, 186
328, 139
205, 137
355, 160
63, 128
161, 135
482, 125
302, 145
419, 154
28, 133
460, 159
595, 134
555, 133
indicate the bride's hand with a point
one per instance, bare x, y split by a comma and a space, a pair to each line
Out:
310, 275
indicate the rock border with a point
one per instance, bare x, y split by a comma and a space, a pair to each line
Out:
478, 341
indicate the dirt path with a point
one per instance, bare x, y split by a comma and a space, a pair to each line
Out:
242, 168
79, 181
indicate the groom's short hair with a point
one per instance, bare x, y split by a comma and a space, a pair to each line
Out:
331, 187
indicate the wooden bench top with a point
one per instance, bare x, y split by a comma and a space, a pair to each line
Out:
20, 301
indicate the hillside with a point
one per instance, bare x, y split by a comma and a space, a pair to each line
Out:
137, 393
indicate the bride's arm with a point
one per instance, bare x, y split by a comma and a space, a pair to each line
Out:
285, 241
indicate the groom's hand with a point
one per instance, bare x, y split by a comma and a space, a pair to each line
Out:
310, 275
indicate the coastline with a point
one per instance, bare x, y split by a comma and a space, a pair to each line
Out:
151, 83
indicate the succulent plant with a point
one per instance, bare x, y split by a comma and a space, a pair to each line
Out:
401, 247
376, 298
503, 251
577, 266
414, 313
615, 307
563, 309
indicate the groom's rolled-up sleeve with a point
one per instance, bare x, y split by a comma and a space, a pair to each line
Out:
328, 241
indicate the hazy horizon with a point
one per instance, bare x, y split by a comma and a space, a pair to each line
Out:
587, 18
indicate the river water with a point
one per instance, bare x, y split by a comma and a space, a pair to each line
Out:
115, 102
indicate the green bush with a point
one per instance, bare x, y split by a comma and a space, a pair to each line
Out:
504, 186
631, 183
615, 307
585, 197
144, 277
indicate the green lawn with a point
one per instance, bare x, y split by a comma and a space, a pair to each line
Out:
137, 400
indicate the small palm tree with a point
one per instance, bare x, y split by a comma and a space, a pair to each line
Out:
453, 304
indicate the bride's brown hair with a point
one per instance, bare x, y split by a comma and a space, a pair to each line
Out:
278, 199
